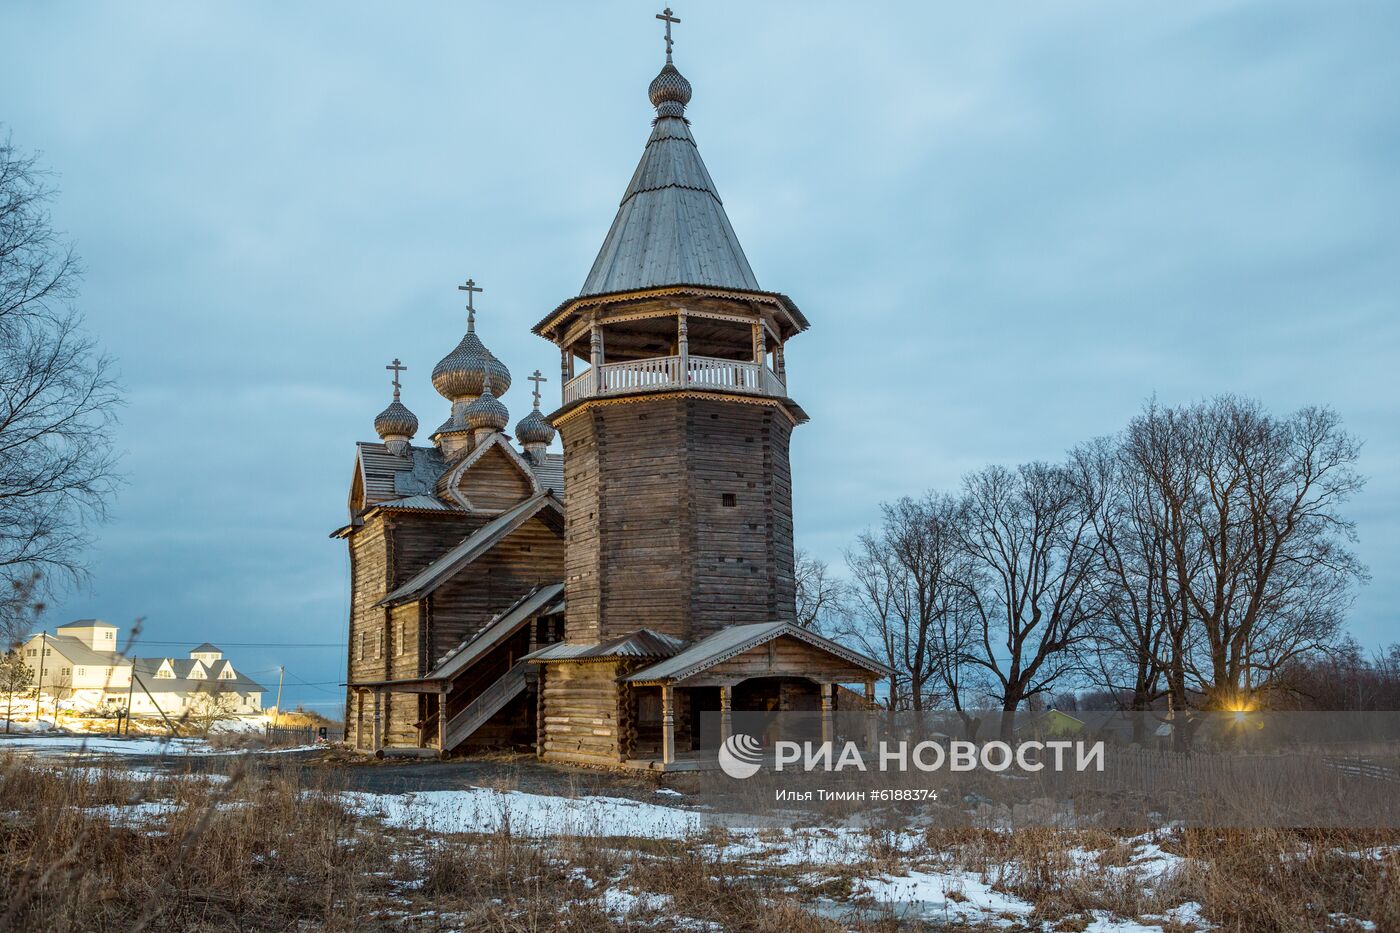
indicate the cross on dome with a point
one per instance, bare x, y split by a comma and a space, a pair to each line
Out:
537, 377
666, 17
397, 367
471, 289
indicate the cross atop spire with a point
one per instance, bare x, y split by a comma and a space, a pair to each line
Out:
537, 377
470, 287
397, 367
666, 17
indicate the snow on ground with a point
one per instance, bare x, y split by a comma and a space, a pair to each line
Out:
109, 745
483, 810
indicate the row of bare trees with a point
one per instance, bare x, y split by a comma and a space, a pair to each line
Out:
1191, 559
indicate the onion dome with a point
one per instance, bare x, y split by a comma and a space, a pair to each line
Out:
534, 428
486, 413
669, 92
396, 420
396, 424
462, 372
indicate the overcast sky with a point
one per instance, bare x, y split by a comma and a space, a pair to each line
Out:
1009, 225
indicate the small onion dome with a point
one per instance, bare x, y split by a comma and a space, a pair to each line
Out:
486, 412
534, 428
396, 420
462, 372
669, 92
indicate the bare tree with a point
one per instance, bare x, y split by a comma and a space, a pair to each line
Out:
819, 593
1255, 539
1029, 538
57, 391
1132, 648
905, 599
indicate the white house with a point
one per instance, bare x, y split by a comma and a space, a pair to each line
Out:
82, 668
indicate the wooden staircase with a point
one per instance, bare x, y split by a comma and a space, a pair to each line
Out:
475, 714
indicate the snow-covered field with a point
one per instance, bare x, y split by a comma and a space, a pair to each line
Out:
848, 875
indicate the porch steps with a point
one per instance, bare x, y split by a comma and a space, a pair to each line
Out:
491, 701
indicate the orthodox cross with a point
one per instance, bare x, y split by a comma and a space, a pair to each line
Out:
666, 17
537, 377
397, 367
470, 288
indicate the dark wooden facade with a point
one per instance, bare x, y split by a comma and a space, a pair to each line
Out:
680, 515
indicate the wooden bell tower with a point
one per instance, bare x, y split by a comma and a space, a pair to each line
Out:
676, 416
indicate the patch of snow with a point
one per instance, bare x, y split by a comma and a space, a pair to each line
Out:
926, 894
484, 810
69, 745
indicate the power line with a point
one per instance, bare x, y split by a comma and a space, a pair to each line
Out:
254, 644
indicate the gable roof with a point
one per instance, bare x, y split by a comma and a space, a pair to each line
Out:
643, 643
472, 547
728, 642
387, 476
501, 627
448, 484
671, 228
182, 682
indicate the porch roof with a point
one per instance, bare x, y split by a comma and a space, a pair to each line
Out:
643, 643
497, 630
728, 642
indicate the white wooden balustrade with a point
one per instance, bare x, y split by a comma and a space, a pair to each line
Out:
664, 372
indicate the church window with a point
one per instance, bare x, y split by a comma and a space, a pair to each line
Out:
729, 500
379, 644
82, 672
360, 648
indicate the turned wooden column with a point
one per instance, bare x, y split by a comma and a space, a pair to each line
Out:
726, 713
377, 738
565, 358
683, 347
668, 724
442, 724
595, 354
828, 724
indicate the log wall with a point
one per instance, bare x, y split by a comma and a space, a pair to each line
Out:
679, 516
580, 712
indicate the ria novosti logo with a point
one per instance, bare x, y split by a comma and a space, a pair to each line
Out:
740, 756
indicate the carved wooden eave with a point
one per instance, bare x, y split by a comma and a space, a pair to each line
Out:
786, 318
790, 409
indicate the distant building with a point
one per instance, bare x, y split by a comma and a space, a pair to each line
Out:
82, 669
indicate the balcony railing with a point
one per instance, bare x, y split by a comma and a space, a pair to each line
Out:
664, 372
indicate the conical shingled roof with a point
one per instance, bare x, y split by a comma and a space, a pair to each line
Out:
671, 228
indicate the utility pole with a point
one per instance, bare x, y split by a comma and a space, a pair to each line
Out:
39, 684
130, 686
281, 670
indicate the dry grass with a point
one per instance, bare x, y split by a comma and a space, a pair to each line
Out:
253, 848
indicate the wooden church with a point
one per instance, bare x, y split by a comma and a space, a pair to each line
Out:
594, 605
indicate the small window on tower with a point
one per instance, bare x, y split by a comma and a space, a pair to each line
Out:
729, 500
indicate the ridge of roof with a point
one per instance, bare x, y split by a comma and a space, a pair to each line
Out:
736, 639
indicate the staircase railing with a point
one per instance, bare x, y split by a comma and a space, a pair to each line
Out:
474, 715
